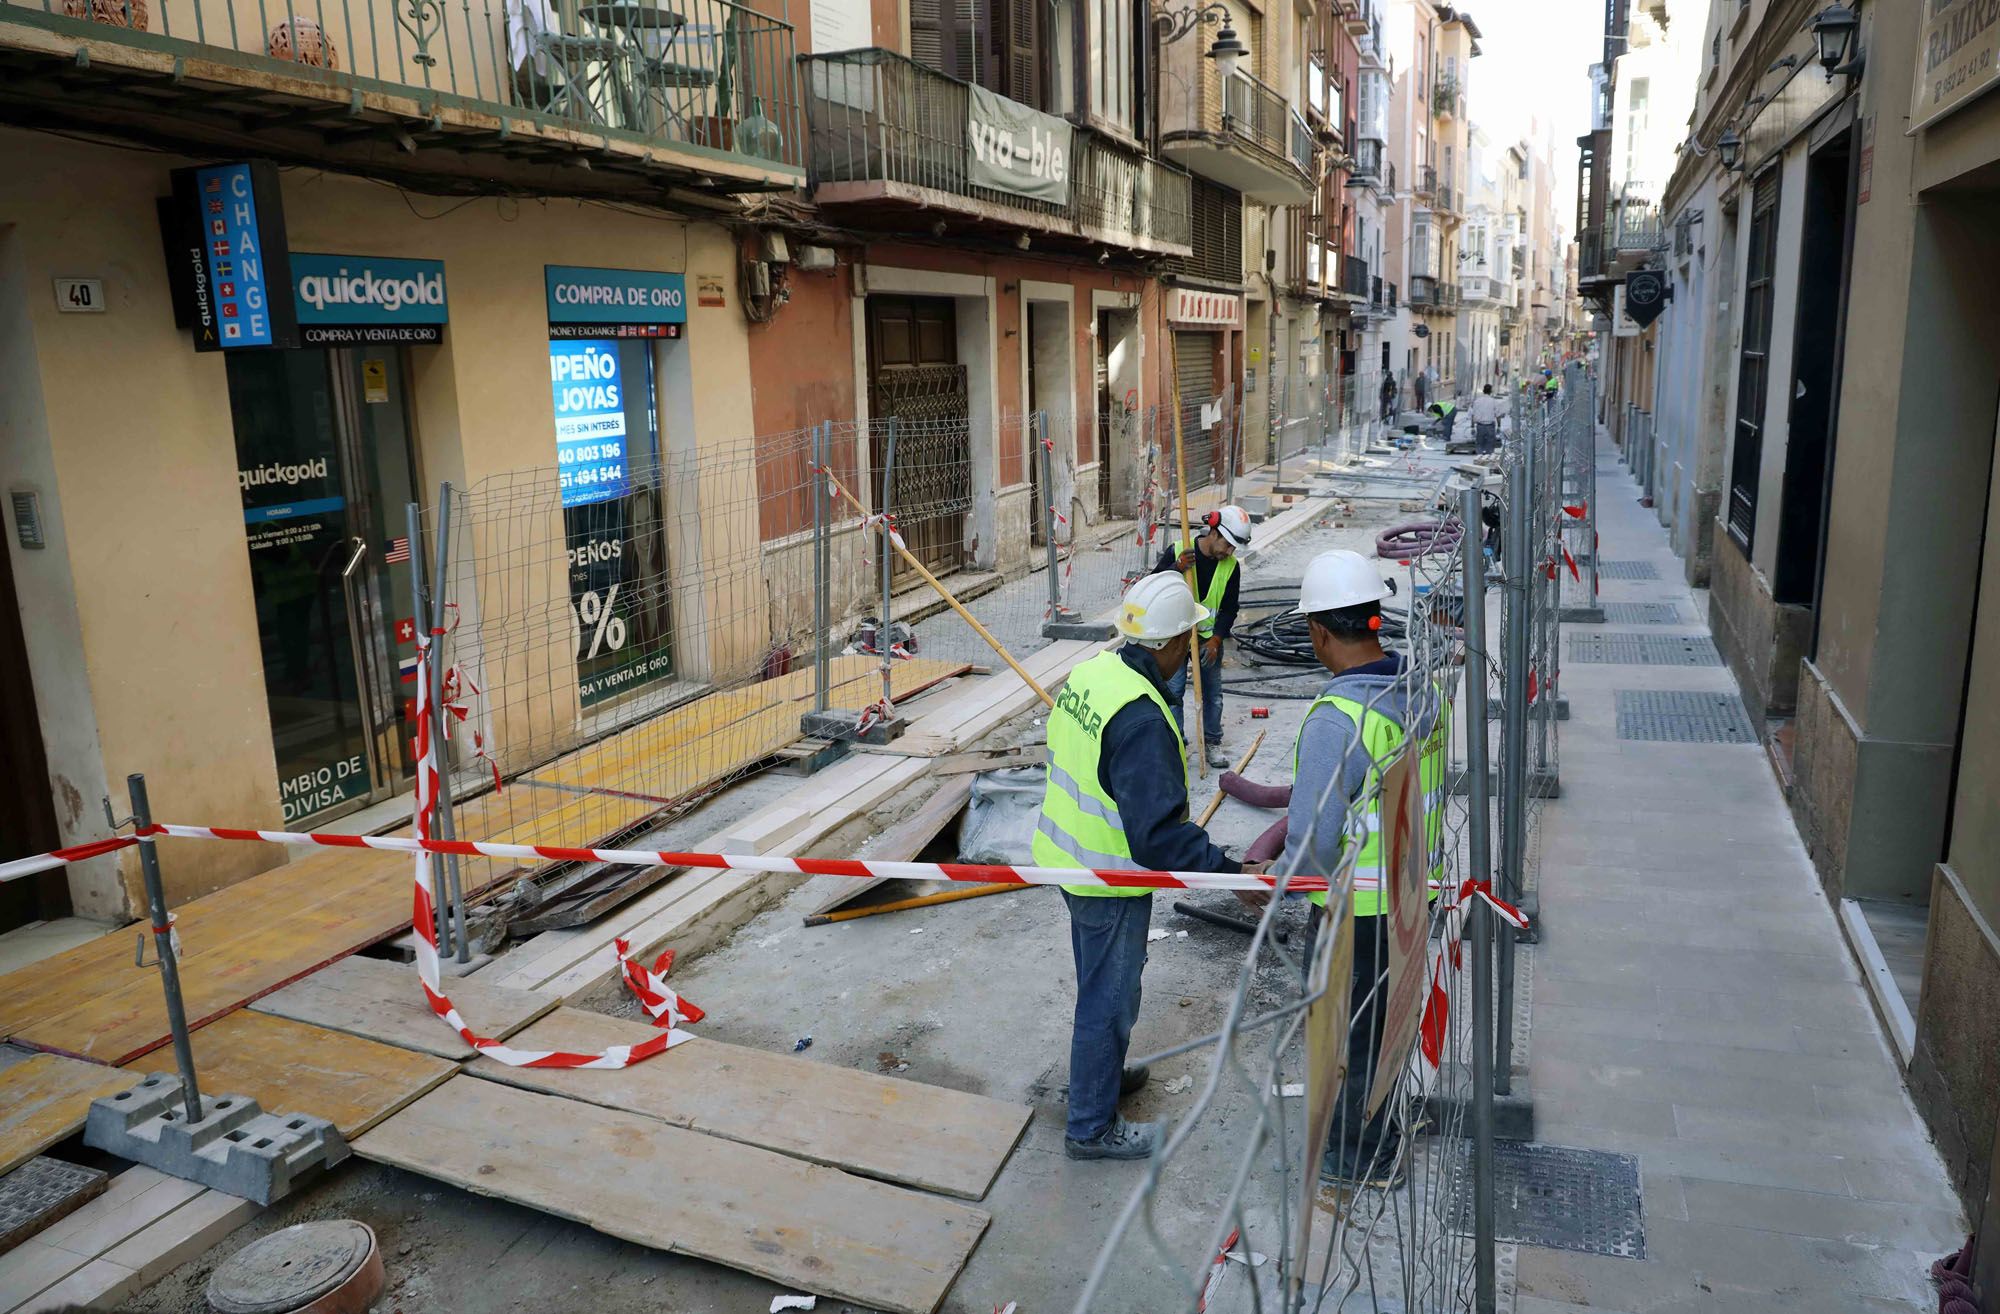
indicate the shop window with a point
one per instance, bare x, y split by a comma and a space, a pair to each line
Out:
608, 470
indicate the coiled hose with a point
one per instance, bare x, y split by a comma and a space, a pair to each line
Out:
1418, 538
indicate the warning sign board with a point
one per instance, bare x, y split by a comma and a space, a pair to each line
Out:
1402, 816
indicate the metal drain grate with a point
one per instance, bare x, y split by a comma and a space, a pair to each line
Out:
1643, 613
1562, 1199
1683, 718
1627, 570
1645, 649
39, 1192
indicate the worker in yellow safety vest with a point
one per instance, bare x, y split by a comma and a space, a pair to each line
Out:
1218, 575
1117, 799
1351, 734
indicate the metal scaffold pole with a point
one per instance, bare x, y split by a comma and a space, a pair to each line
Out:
418, 593
822, 561
883, 630
1513, 738
1479, 926
441, 726
163, 946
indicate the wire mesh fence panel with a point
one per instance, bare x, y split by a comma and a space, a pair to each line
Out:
1344, 1052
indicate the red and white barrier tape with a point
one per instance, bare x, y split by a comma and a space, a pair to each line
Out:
1437, 1008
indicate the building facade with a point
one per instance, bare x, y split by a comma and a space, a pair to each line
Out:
1824, 419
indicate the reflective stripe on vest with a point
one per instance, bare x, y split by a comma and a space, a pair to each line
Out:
1218, 584
1080, 825
1382, 738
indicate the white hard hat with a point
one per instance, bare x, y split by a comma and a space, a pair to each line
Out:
1339, 578
1233, 521
1158, 608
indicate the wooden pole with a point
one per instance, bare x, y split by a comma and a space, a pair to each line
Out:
1192, 712
921, 901
945, 593
1208, 813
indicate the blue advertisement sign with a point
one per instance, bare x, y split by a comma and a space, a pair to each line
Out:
238, 276
590, 421
614, 302
375, 291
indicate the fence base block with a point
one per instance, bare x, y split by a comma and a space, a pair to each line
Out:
236, 1147
1075, 627
1530, 904
1540, 707
1541, 784
1581, 615
1513, 1113
845, 727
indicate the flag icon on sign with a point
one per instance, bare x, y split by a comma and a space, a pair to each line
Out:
225, 269
215, 207
220, 248
406, 629
215, 184
225, 289
216, 226
399, 551
406, 669
229, 310
232, 330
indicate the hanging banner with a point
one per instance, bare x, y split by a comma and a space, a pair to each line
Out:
1403, 863
226, 254
1015, 149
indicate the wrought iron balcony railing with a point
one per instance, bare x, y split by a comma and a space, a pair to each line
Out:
1367, 167
1354, 277
1423, 290
1425, 182
714, 75
878, 117
1259, 114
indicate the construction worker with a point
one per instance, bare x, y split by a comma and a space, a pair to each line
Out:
1487, 412
1117, 799
1212, 556
1350, 735
1446, 414
1551, 385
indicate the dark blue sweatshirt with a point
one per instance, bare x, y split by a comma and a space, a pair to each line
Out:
1140, 765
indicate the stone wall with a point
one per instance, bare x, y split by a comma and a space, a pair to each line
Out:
1955, 1071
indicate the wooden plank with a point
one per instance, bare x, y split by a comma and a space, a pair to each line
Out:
45, 1100
290, 1067
269, 930
811, 1228
899, 1131
903, 841
380, 1000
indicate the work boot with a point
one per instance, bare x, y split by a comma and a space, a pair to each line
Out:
1218, 758
1131, 1079
1121, 1140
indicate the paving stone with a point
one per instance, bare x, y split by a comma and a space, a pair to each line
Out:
1790, 1263
1909, 1180
1812, 1214
1766, 1092
1800, 1130
1752, 1165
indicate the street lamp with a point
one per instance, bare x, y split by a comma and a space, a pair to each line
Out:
1835, 28
1730, 147
1226, 52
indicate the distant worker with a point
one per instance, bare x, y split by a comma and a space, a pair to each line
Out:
1350, 736
1388, 397
1117, 798
1422, 384
1551, 385
1212, 556
1446, 414
1487, 410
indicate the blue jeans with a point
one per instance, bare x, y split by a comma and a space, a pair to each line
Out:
1107, 934
1211, 699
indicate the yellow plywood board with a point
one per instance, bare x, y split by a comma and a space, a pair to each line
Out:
267, 931
290, 1067
900, 1131
810, 1228
45, 1099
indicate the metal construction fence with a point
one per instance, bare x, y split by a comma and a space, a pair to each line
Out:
1408, 1005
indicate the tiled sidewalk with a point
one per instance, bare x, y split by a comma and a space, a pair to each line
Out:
1695, 1006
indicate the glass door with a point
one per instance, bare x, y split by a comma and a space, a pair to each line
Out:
325, 469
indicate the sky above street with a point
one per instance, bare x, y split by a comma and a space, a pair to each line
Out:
1533, 77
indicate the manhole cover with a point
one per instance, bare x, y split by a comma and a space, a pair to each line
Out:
1562, 1199
1683, 718
295, 1266
1627, 570
1643, 613
39, 1192
1644, 649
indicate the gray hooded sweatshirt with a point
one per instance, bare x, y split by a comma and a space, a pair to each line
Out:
1330, 753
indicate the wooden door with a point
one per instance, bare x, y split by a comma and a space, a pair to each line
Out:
917, 388
27, 808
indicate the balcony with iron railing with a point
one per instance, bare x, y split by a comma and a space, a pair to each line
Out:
1423, 291
1445, 101
890, 149
1424, 181
1237, 131
1355, 281
1354, 16
584, 97
1366, 170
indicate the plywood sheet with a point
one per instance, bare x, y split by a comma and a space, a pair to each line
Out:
810, 1228
45, 1099
900, 1131
265, 932
290, 1067
383, 1001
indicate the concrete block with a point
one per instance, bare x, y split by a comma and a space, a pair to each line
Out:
1581, 615
235, 1147
843, 725
1074, 627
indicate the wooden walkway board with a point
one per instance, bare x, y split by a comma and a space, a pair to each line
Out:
900, 1131
265, 932
807, 1227
383, 1001
45, 1099
290, 1067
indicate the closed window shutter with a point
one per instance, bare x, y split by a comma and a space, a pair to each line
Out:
927, 33
1023, 52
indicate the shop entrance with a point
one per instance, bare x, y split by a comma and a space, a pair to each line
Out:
914, 374
326, 466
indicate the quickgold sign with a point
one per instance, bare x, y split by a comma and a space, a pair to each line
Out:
1958, 56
